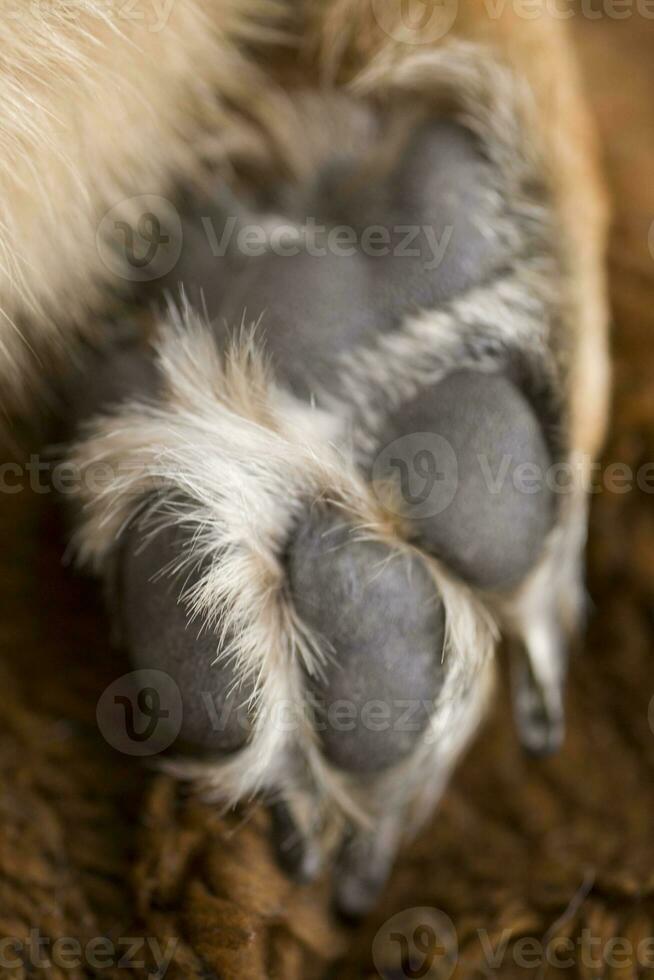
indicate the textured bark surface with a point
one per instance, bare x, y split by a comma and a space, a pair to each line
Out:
94, 844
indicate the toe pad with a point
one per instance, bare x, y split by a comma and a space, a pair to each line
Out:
379, 615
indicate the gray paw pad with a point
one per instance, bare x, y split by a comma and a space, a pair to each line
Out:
380, 618
159, 636
469, 464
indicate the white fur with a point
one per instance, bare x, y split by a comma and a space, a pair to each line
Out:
223, 454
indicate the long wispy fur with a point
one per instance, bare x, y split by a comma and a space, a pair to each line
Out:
221, 453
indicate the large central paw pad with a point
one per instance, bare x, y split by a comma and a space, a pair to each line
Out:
376, 623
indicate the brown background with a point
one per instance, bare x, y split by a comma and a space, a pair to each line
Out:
93, 844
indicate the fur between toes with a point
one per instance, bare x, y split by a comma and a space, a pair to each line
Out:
222, 456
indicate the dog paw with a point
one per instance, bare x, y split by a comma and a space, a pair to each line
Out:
353, 714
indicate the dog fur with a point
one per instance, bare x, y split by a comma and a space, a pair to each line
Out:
99, 114
221, 455
99, 108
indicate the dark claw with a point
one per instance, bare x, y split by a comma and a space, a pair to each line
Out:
362, 870
538, 709
297, 855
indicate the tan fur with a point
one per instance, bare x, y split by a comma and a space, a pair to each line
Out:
95, 107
